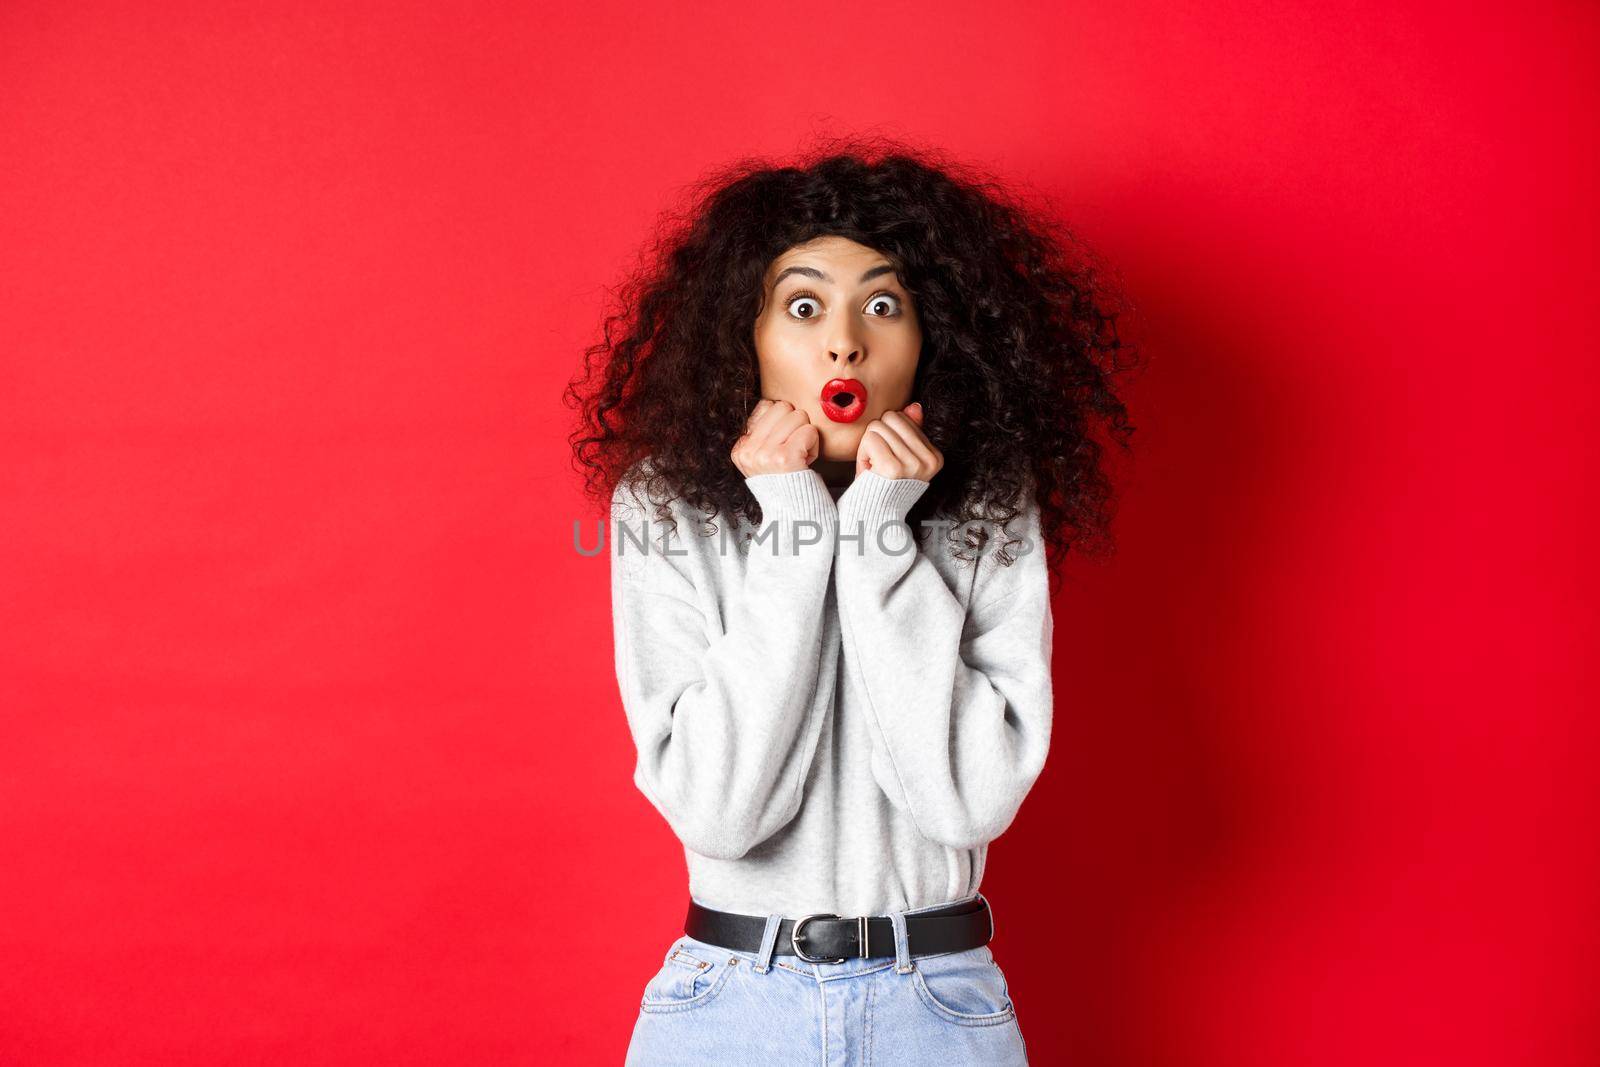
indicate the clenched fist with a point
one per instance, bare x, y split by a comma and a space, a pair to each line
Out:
895, 447
778, 438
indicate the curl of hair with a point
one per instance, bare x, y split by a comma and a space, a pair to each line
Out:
1016, 373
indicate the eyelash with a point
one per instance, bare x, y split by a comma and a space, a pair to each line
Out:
809, 295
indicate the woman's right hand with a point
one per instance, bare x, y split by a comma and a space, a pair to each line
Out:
778, 439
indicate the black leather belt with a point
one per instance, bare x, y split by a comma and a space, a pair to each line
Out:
829, 938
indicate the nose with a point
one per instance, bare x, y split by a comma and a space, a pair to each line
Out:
844, 346
845, 349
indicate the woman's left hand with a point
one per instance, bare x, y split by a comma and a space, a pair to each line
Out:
895, 447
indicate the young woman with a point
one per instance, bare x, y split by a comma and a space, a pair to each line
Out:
886, 378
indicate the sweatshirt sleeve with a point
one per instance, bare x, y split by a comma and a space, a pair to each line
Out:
725, 717
960, 701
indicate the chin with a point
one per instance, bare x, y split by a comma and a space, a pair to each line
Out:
841, 444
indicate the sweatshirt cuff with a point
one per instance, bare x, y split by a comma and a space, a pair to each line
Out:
800, 494
876, 500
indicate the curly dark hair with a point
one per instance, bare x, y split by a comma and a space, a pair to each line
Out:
1020, 340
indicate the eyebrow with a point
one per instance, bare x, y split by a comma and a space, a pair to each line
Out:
812, 272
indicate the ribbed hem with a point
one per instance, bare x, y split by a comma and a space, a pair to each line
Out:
800, 494
875, 500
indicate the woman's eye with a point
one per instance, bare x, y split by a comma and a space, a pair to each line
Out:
802, 302
882, 299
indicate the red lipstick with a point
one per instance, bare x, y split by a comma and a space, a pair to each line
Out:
844, 399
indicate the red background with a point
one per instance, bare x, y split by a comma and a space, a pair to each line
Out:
311, 749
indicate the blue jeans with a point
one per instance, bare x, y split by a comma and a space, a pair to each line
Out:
710, 1004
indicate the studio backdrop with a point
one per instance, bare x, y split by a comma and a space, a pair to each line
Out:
311, 748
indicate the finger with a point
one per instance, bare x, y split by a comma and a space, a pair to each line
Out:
809, 439
871, 453
755, 413
913, 411
912, 439
761, 429
880, 454
792, 429
778, 425
759, 416
890, 433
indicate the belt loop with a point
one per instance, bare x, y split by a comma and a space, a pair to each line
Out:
990, 909
902, 943
769, 941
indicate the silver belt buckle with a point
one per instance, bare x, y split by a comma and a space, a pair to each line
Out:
794, 939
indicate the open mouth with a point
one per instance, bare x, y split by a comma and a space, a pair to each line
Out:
844, 399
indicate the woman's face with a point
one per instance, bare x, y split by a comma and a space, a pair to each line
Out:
834, 309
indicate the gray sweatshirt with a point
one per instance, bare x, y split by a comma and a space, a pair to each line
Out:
830, 718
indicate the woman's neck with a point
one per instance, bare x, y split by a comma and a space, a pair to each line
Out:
838, 473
